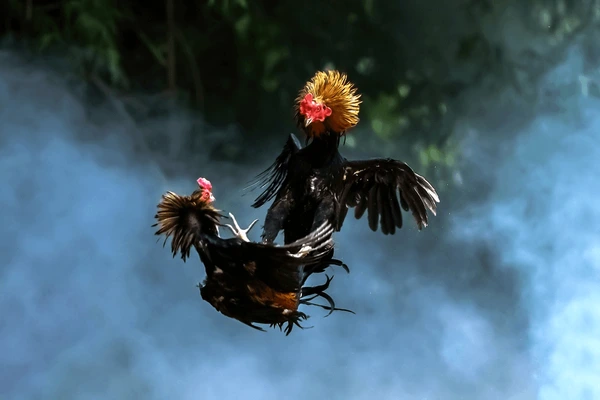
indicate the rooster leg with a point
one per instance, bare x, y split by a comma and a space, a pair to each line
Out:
325, 212
276, 215
239, 232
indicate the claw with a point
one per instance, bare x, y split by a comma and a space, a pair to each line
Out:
239, 232
304, 251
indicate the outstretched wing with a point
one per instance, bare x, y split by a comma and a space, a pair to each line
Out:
380, 187
277, 266
274, 176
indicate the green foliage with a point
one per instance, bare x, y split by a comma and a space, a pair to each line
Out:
244, 61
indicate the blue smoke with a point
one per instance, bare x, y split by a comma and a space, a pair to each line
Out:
94, 308
543, 217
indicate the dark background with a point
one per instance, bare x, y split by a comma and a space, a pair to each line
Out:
104, 105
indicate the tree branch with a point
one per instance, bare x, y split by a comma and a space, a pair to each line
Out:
196, 76
28, 10
171, 46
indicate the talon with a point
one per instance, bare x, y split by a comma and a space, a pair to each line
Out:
237, 226
251, 225
304, 251
239, 232
232, 229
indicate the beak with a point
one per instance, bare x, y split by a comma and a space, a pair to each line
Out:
308, 122
212, 198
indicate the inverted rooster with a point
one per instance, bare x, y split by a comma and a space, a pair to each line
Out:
315, 184
250, 282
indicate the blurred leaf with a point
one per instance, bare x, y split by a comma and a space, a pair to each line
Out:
239, 55
270, 84
369, 7
449, 159
435, 155
156, 51
242, 25
365, 65
443, 109
545, 18
382, 114
403, 122
377, 126
403, 90
48, 39
273, 57
113, 59
424, 158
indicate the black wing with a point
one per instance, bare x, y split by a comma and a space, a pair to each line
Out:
274, 176
374, 186
277, 266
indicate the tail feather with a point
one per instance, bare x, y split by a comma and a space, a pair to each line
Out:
187, 219
311, 292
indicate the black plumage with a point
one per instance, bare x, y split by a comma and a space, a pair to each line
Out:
250, 282
315, 184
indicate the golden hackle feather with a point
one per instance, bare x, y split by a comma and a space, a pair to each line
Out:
332, 89
263, 294
185, 218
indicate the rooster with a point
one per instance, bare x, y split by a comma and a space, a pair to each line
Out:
250, 282
316, 184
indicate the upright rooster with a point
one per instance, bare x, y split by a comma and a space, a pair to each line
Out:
315, 184
250, 282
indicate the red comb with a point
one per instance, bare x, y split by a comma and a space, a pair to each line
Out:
313, 110
204, 184
306, 104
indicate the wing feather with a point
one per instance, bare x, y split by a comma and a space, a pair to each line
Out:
373, 209
279, 266
361, 207
274, 177
381, 187
403, 202
387, 220
395, 206
309, 249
